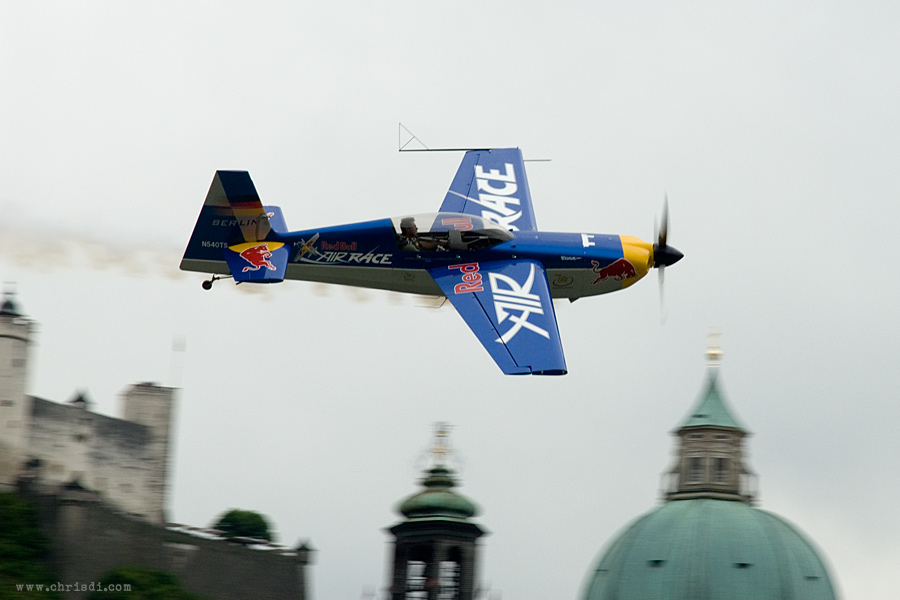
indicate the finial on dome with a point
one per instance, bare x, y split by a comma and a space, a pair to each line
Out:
713, 349
440, 445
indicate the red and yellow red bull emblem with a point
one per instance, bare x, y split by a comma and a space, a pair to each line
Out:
257, 254
618, 270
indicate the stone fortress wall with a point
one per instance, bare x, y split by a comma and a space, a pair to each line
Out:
101, 485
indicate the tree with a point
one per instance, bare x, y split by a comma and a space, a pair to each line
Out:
244, 523
132, 583
23, 549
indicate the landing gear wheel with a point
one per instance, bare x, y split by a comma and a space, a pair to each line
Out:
207, 285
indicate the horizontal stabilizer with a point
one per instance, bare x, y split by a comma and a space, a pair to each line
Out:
258, 262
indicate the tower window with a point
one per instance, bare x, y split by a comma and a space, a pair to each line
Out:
695, 469
721, 470
415, 580
448, 580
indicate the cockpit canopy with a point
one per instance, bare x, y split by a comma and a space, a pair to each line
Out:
447, 231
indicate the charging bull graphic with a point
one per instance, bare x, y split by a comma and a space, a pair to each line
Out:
619, 270
258, 257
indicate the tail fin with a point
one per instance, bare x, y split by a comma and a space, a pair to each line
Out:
232, 231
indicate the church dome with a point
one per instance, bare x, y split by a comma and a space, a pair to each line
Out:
708, 541
708, 549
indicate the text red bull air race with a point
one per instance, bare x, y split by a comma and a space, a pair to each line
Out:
482, 250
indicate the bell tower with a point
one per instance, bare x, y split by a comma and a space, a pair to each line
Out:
435, 547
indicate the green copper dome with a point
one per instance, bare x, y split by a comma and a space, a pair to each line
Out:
438, 500
708, 549
708, 541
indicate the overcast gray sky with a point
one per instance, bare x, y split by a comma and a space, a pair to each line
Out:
773, 128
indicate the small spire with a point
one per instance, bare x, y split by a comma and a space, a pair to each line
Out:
713, 349
711, 409
438, 499
440, 445
80, 399
9, 306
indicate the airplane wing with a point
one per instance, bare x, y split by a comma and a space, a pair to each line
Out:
507, 305
492, 184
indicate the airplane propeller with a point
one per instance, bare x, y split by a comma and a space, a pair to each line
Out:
663, 254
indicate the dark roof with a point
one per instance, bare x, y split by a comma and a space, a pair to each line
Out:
80, 398
9, 307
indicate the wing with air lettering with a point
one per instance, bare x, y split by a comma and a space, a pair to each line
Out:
492, 184
506, 303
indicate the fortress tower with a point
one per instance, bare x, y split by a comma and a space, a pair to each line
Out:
15, 407
126, 461
151, 406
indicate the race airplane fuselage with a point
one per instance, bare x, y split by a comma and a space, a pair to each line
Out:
481, 250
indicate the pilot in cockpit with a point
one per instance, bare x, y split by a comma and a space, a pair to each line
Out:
409, 237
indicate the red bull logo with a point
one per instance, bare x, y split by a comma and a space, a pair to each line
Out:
258, 257
619, 270
471, 278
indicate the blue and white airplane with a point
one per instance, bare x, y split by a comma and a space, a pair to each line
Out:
482, 250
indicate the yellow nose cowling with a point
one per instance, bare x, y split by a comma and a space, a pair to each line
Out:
640, 254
